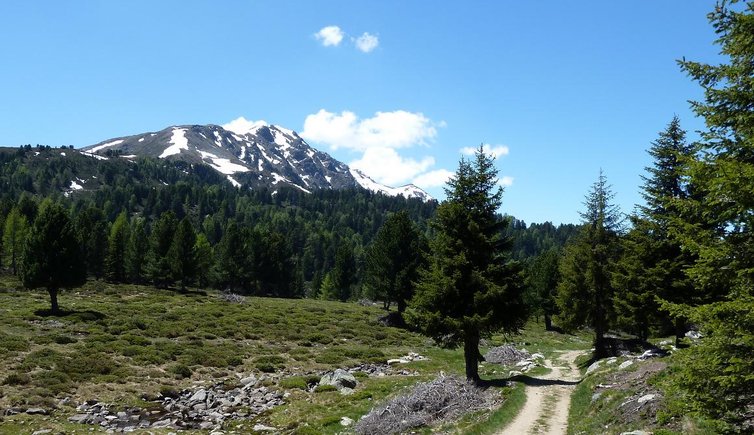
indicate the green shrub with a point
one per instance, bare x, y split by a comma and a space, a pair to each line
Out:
63, 339
12, 343
17, 379
325, 388
293, 382
180, 370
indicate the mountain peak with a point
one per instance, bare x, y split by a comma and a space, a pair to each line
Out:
251, 153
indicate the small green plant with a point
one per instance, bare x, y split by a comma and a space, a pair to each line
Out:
325, 388
181, 371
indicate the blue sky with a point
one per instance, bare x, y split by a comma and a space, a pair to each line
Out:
396, 88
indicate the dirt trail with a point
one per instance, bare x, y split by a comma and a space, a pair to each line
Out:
548, 399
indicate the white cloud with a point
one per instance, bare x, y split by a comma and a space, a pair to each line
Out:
495, 150
367, 42
436, 178
397, 129
505, 181
242, 125
386, 166
330, 36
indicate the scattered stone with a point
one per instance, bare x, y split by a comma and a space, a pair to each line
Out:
412, 356
653, 353
203, 409
636, 432
536, 356
646, 398
625, 364
592, 368
37, 411
694, 335
596, 397
611, 361
262, 428
249, 380
345, 421
41, 432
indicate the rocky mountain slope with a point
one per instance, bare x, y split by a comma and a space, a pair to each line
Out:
256, 155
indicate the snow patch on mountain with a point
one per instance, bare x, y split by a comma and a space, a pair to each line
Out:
179, 141
106, 145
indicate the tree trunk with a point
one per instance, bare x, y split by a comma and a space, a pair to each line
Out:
401, 306
548, 322
471, 355
680, 330
600, 348
53, 300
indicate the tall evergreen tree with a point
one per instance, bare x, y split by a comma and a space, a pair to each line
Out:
342, 275
471, 287
51, 257
159, 268
204, 260
136, 257
393, 260
542, 279
718, 373
585, 292
14, 235
653, 263
117, 246
231, 267
91, 232
182, 256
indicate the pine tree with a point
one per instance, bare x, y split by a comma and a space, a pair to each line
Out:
117, 245
471, 288
231, 267
342, 276
585, 292
16, 228
181, 255
393, 260
51, 256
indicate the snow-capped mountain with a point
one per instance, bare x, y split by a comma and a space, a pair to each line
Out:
257, 154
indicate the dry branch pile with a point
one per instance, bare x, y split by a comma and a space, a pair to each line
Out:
506, 355
442, 399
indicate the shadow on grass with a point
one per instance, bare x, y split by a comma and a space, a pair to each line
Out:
86, 315
526, 380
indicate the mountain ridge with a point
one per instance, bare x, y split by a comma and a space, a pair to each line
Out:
254, 154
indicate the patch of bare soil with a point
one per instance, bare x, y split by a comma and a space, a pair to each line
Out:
548, 399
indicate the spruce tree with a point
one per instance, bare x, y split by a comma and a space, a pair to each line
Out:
231, 265
204, 260
719, 372
117, 246
159, 268
585, 292
136, 257
393, 260
51, 256
542, 279
181, 255
91, 232
471, 287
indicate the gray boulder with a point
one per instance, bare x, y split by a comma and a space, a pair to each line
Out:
340, 379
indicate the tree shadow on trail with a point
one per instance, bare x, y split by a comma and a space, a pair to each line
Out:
85, 315
526, 380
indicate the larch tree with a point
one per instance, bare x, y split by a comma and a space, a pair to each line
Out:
585, 291
471, 286
51, 256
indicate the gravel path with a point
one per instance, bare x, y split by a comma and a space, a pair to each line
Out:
548, 399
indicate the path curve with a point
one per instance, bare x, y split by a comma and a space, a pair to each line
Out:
548, 399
